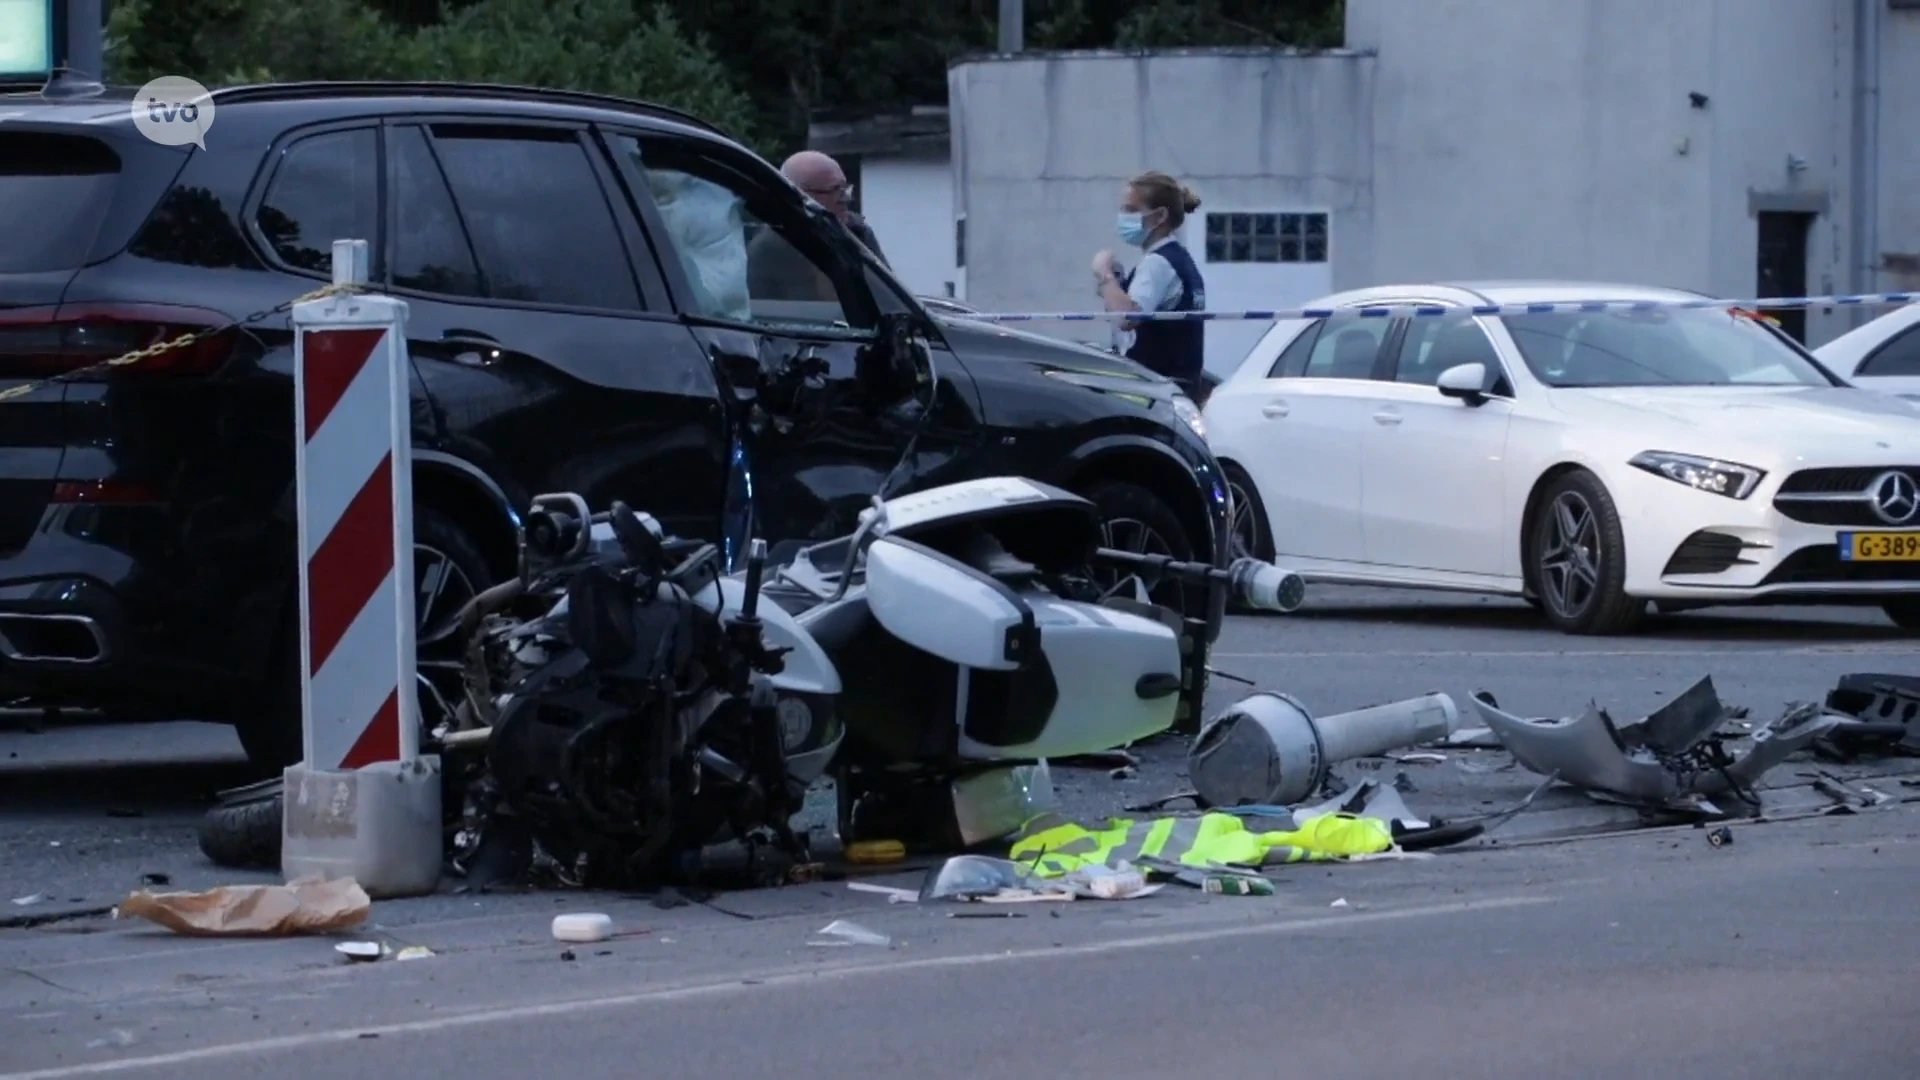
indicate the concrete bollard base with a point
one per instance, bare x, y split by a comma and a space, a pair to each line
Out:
379, 825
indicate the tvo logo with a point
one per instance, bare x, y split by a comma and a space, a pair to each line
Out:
173, 111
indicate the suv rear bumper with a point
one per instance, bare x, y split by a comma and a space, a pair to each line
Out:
127, 628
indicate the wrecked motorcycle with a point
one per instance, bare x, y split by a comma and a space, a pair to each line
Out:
629, 704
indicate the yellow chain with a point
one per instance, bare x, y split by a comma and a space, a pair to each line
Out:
138, 355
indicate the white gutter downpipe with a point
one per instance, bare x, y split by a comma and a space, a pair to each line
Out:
1864, 193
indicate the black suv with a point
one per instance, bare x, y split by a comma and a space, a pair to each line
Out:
582, 318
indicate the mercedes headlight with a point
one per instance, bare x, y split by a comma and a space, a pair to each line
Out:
1186, 410
1728, 478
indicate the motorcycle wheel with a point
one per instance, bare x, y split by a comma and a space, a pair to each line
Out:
242, 832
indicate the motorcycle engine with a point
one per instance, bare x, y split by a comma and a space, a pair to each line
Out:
625, 733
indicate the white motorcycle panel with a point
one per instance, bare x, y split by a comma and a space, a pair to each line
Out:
941, 607
1098, 656
964, 499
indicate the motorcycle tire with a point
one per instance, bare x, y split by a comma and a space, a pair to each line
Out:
242, 832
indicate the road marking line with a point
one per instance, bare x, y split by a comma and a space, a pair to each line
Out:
1804, 650
741, 984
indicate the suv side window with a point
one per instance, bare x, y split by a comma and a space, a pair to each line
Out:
430, 249
750, 252
1432, 345
326, 188
1347, 351
538, 217
1292, 361
1899, 356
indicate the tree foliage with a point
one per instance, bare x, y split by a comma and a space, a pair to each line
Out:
757, 67
606, 46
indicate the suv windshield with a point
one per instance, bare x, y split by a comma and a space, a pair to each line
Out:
1666, 347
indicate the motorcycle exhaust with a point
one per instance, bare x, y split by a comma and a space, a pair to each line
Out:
1267, 749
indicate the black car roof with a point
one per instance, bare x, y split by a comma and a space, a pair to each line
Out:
319, 101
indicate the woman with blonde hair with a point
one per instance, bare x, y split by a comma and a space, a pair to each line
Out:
1153, 206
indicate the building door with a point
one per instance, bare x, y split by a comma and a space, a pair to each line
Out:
1782, 264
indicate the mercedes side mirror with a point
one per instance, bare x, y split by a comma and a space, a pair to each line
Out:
1467, 382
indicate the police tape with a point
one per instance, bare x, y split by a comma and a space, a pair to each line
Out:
157, 348
1434, 311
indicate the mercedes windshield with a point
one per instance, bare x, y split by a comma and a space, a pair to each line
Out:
1661, 347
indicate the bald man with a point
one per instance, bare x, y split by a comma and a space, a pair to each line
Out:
822, 178
775, 271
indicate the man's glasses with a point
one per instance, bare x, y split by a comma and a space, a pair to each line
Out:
843, 190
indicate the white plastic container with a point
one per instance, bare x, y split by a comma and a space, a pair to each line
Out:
379, 825
582, 927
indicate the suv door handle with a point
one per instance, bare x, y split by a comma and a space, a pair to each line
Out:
1275, 409
1387, 417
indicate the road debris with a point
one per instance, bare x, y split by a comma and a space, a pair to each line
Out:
582, 927
1054, 846
875, 852
847, 932
1888, 707
308, 905
970, 877
1342, 902
894, 894
1237, 885
414, 952
1267, 748
1675, 758
1719, 837
29, 900
361, 952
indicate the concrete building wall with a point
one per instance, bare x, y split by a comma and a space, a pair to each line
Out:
1899, 172
1563, 138
1635, 140
1044, 144
908, 202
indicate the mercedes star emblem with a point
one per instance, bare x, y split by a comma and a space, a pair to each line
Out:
1896, 498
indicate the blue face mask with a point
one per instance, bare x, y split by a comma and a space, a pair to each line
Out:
1132, 230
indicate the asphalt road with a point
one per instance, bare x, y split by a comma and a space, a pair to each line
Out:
86, 811
1790, 953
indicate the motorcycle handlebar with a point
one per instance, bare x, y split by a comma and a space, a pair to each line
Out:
1249, 582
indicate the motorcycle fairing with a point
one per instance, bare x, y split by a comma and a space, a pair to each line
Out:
940, 605
1054, 530
1109, 672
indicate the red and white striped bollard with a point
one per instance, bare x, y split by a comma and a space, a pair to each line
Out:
363, 803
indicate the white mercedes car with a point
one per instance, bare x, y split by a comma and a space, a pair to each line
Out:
1882, 355
1588, 460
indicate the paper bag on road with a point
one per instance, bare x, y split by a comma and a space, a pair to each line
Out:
304, 906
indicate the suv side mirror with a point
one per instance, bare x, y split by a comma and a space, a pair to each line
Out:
1467, 382
889, 369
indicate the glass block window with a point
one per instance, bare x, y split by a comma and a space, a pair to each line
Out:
1266, 238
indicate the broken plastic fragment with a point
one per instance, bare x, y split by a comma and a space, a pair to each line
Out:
848, 932
1669, 760
361, 951
413, 952
966, 877
1103, 883
894, 895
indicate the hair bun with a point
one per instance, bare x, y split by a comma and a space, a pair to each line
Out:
1188, 200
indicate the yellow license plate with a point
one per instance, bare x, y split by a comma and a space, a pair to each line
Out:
1880, 546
